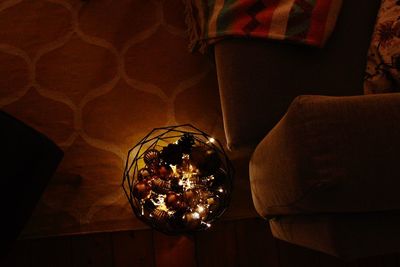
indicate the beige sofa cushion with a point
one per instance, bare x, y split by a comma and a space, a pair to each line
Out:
330, 154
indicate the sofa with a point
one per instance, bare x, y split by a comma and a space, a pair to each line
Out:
323, 156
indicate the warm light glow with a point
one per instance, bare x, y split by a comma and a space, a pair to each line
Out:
188, 176
200, 209
209, 178
206, 224
181, 184
196, 215
173, 167
159, 202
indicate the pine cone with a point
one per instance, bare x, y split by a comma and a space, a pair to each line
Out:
186, 142
172, 154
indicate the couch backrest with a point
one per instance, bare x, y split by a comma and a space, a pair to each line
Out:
259, 78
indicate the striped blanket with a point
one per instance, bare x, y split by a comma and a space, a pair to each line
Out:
308, 22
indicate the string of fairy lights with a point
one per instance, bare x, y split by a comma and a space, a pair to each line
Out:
181, 186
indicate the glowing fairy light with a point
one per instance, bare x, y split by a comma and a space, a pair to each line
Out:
208, 225
159, 202
188, 177
173, 167
196, 215
211, 140
142, 207
209, 178
200, 209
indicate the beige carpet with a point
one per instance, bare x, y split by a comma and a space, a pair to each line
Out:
95, 76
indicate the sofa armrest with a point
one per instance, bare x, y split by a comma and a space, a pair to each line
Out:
330, 155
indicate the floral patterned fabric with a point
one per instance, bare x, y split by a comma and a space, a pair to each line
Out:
383, 65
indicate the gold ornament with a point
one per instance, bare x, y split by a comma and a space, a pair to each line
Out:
141, 190
160, 186
164, 172
143, 174
151, 157
159, 216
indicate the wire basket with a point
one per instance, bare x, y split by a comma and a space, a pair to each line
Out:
178, 179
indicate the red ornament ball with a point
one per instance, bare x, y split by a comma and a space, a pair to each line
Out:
141, 190
191, 197
164, 171
175, 201
143, 173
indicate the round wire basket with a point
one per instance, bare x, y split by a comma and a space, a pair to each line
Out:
178, 179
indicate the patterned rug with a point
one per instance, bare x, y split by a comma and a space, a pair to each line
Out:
95, 76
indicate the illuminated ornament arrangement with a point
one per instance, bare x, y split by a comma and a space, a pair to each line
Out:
178, 179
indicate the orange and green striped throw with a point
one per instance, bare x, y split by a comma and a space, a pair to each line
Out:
307, 22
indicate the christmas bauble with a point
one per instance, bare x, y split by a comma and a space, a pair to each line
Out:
171, 199
141, 190
143, 173
213, 204
164, 171
159, 185
190, 196
159, 216
151, 157
175, 201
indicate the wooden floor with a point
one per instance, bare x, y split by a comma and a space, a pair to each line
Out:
236, 243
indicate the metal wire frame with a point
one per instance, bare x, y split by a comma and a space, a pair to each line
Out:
157, 139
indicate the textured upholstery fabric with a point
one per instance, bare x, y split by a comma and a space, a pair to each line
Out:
259, 79
28, 160
330, 154
346, 236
